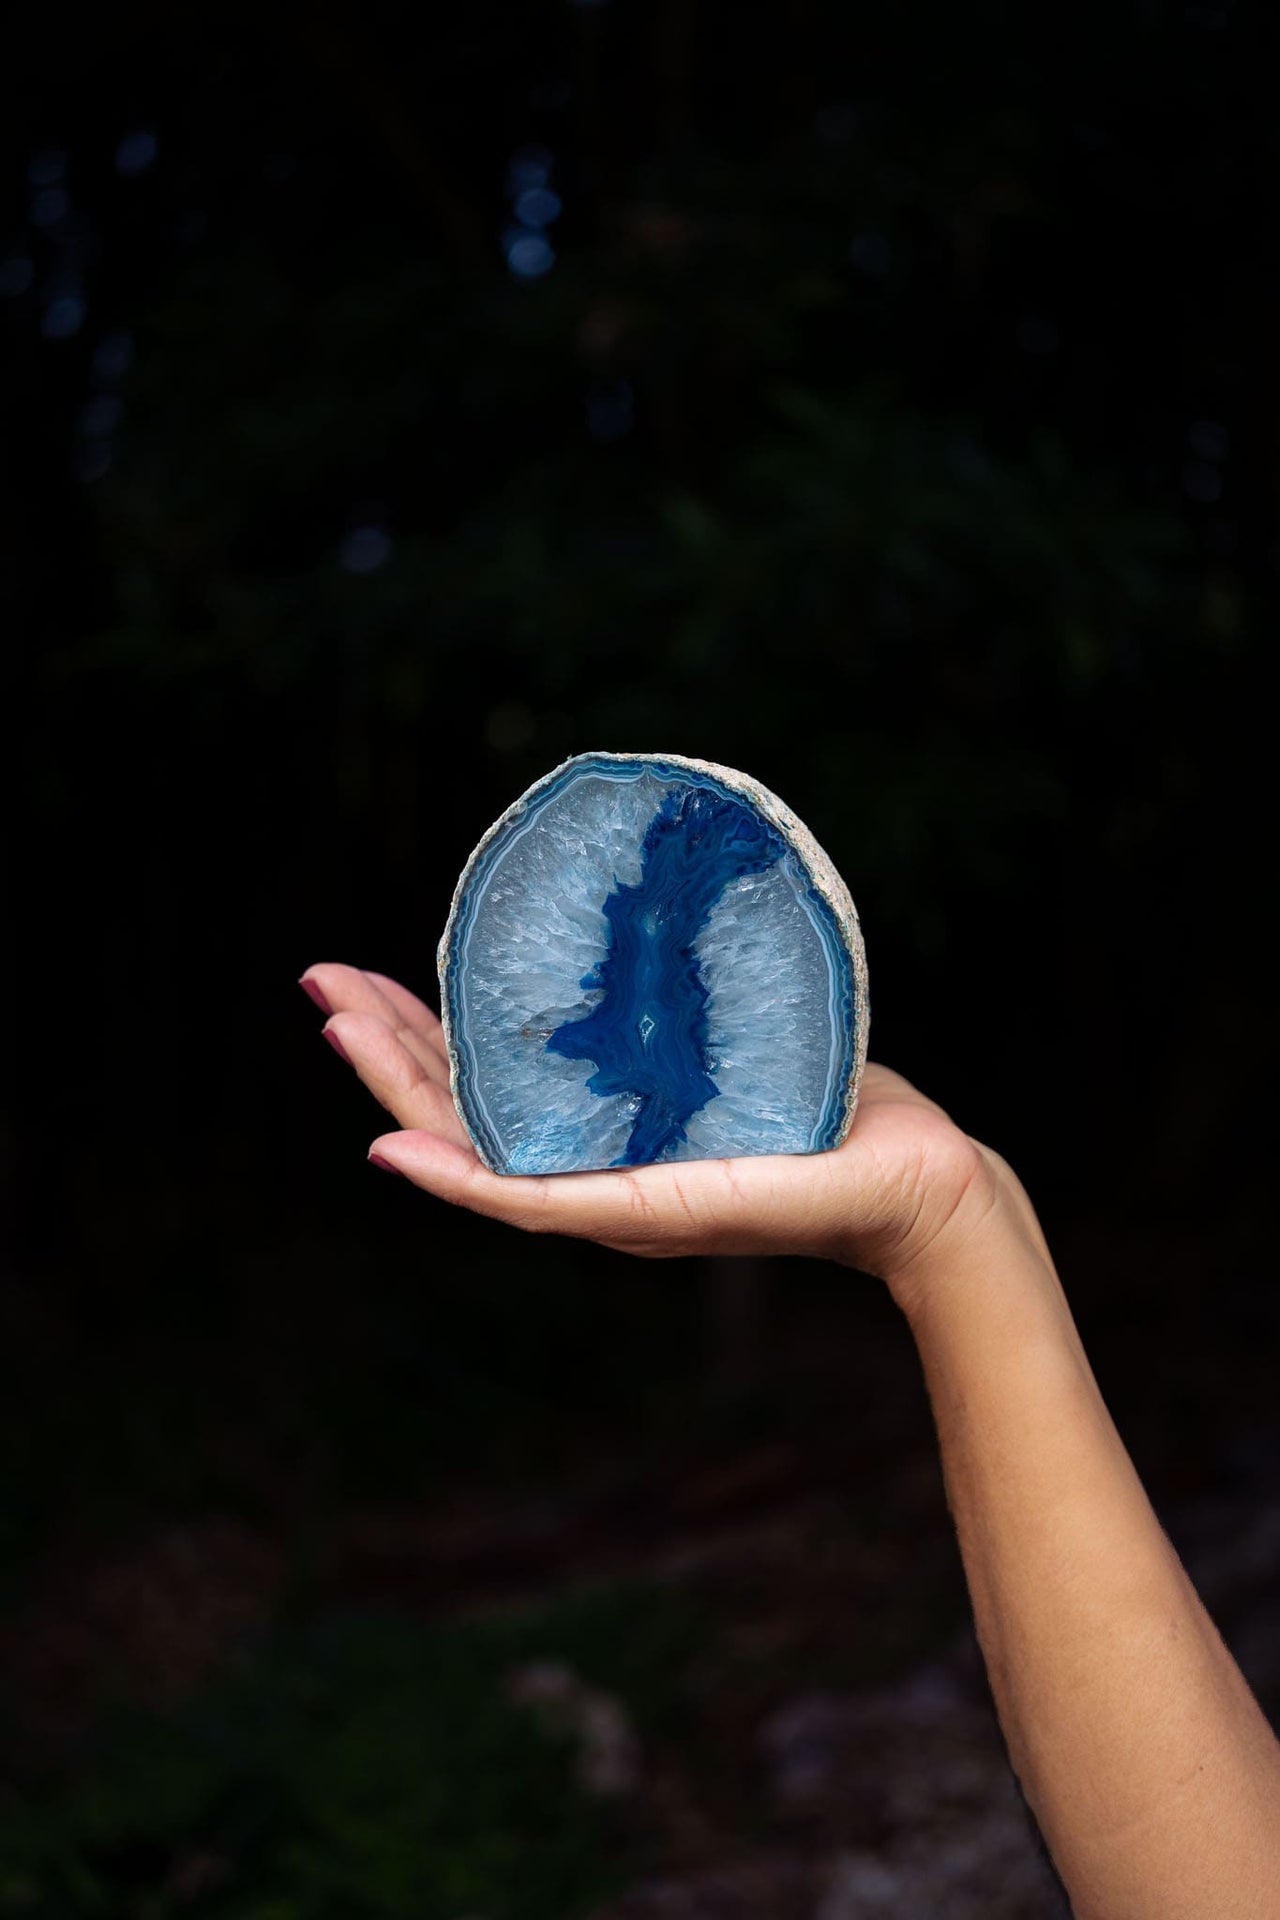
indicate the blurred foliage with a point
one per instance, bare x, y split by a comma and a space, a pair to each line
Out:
368, 1764
308, 1377
637, 488
855, 434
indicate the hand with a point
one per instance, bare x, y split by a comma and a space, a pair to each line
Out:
906, 1183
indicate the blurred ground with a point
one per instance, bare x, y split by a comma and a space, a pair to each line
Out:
725, 1655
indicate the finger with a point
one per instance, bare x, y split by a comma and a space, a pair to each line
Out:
349, 990
738, 1206
596, 1206
345, 989
395, 1075
413, 1012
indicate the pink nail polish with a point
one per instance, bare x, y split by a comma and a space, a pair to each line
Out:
376, 1160
310, 988
336, 1044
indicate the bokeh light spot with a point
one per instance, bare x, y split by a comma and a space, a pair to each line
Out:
610, 412
1036, 334
101, 417
1209, 439
113, 357
537, 206
529, 255
136, 152
63, 317
364, 550
1201, 482
49, 206
528, 167
835, 123
969, 461
869, 253
17, 275
48, 167
92, 460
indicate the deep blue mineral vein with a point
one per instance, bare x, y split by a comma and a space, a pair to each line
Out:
648, 1035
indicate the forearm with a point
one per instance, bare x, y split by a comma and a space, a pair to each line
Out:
1149, 1765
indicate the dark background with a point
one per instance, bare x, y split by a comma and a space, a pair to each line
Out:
881, 400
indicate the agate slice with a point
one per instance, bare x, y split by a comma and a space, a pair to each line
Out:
650, 958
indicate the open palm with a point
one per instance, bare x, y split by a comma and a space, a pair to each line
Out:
904, 1175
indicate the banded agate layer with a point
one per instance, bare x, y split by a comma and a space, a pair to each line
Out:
649, 958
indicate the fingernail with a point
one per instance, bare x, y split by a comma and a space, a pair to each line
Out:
310, 988
376, 1160
336, 1044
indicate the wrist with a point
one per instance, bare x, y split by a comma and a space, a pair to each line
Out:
985, 1225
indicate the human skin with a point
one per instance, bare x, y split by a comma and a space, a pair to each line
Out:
1150, 1767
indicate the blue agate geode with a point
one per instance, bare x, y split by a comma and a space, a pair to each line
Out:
650, 958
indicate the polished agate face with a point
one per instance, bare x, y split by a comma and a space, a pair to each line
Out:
648, 959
